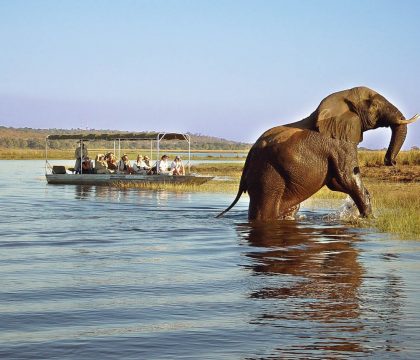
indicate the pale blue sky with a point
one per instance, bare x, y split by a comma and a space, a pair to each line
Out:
224, 68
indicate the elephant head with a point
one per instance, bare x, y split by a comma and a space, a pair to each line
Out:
346, 114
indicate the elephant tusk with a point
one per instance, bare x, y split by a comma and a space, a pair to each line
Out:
409, 121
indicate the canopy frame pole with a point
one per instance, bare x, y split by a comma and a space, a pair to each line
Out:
158, 148
151, 150
189, 154
46, 155
81, 156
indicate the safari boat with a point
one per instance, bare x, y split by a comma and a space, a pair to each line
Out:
61, 174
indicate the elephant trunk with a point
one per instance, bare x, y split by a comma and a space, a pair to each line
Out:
399, 132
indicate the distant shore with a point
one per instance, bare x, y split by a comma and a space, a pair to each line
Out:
39, 154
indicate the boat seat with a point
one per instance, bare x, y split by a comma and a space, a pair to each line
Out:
59, 169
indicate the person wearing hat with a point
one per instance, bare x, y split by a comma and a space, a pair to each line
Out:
162, 165
80, 153
177, 167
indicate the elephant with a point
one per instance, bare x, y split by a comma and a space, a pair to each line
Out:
289, 163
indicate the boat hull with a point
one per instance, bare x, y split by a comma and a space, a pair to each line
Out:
115, 179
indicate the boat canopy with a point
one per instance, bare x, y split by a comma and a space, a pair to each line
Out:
121, 136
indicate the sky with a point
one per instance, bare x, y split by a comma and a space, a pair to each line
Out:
230, 69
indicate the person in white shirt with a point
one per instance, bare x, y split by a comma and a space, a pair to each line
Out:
162, 165
177, 167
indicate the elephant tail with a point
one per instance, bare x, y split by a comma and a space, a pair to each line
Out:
238, 195
242, 188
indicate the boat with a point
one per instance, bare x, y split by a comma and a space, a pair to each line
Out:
61, 174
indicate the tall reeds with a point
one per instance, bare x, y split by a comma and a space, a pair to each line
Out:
376, 158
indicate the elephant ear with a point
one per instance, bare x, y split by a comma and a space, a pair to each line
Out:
342, 125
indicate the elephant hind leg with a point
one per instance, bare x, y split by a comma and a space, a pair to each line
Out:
265, 199
264, 207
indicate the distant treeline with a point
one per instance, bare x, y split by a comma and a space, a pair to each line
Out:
27, 138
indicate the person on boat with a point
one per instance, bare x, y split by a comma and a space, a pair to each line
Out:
140, 166
146, 160
101, 166
177, 167
80, 153
111, 161
124, 165
87, 166
162, 166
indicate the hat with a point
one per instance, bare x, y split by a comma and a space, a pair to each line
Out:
146, 157
177, 158
165, 156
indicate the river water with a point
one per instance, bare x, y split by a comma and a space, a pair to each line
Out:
104, 273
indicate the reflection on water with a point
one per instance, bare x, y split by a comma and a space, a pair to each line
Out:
323, 261
83, 192
103, 273
308, 275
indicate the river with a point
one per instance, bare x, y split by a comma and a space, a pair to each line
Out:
105, 273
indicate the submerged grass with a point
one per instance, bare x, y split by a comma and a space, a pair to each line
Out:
211, 186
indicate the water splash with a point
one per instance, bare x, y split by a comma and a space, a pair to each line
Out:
348, 211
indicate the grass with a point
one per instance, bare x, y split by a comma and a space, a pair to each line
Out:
211, 186
376, 158
397, 208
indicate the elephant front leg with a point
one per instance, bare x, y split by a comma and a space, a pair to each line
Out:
352, 185
361, 197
